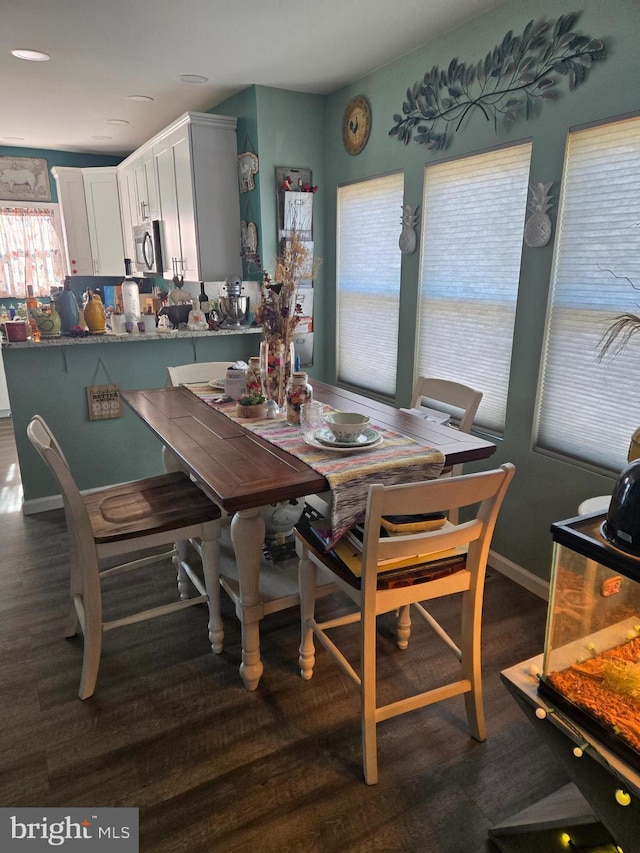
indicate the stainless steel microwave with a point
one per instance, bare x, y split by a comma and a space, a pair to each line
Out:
147, 253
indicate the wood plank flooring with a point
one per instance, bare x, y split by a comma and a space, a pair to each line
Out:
211, 767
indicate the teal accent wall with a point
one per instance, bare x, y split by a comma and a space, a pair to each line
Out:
544, 489
60, 158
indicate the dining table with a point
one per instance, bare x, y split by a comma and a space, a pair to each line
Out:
242, 470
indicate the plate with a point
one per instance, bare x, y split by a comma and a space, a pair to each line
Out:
218, 384
312, 441
326, 437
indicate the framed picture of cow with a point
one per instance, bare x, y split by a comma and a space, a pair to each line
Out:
24, 179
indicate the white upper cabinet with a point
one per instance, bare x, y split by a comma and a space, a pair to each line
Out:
196, 167
90, 211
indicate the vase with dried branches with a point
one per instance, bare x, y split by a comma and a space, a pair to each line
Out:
278, 313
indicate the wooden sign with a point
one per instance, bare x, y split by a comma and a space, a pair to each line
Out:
104, 402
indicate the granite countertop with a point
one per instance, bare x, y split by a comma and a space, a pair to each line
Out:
134, 337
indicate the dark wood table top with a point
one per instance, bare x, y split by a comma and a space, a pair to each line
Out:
240, 470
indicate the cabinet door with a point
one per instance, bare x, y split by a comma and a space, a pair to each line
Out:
186, 207
125, 214
103, 214
73, 211
168, 204
151, 185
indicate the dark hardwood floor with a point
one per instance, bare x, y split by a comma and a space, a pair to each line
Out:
213, 767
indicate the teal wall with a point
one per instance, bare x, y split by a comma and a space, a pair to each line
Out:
298, 130
60, 158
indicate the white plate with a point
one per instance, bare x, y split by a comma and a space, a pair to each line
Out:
312, 441
326, 437
218, 384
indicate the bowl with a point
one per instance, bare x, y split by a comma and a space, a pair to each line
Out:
346, 426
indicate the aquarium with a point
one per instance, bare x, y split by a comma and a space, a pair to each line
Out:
591, 661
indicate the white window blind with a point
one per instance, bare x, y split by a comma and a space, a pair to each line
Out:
587, 410
368, 282
472, 226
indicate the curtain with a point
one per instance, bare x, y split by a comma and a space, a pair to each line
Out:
30, 253
472, 228
588, 408
368, 282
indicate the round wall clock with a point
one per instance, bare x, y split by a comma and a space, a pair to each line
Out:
356, 124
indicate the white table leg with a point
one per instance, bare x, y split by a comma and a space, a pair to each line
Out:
247, 536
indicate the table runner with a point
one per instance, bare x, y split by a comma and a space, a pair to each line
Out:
399, 459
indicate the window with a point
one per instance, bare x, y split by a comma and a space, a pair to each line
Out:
30, 251
472, 225
368, 282
587, 410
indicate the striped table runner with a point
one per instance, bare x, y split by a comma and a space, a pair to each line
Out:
399, 459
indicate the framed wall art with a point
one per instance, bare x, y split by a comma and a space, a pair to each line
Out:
24, 179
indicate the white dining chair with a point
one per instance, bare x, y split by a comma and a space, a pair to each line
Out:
387, 576
123, 520
458, 400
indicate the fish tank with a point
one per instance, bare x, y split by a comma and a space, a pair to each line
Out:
591, 660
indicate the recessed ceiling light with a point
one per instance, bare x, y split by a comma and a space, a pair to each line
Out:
117, 121
141, 98
14, 138
193, 78
31, 55
101, 137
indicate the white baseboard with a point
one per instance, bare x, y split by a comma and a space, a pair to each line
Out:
521, 576
37, 505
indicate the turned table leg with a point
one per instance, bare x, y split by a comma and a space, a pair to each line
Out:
247, 536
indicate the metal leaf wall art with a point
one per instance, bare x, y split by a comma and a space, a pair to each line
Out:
508, 85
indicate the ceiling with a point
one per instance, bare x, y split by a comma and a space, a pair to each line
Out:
102, 52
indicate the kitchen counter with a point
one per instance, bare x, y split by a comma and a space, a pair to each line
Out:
134, 337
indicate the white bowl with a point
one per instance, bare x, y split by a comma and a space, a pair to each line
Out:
346, 426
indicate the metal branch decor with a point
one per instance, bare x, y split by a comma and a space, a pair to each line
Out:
509, 84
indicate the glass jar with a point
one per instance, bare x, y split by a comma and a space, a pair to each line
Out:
298, 392
254, 376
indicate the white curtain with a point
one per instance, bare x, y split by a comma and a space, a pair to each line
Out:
588, 409
368, 282
472, 228
30, 252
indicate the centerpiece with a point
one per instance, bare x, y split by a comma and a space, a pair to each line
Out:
278, 314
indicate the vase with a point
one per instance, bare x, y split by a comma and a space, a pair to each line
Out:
94, 314
276, 364
68, 308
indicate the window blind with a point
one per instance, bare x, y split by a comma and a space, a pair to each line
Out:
587, 410
472, 226
368, 282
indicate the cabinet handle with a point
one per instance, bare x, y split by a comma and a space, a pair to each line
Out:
143, 204
95, 266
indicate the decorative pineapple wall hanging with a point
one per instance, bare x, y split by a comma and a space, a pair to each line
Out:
537, 231
407, 240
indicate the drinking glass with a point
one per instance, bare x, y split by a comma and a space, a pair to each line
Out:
312, 416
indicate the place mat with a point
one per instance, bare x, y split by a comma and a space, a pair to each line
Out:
399, 459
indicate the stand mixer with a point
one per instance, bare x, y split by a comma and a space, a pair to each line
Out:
234, 307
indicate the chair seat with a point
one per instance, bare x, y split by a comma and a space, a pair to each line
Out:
153, 505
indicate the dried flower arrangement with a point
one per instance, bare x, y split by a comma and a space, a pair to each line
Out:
279, 312
621, 328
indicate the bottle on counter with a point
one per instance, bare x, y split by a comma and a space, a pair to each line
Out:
32, 306
298, 392
68, 307
204, 301
130, 298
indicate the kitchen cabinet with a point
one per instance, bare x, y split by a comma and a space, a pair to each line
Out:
90, 210
196, 167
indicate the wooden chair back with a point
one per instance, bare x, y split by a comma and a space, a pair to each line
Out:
198, 371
